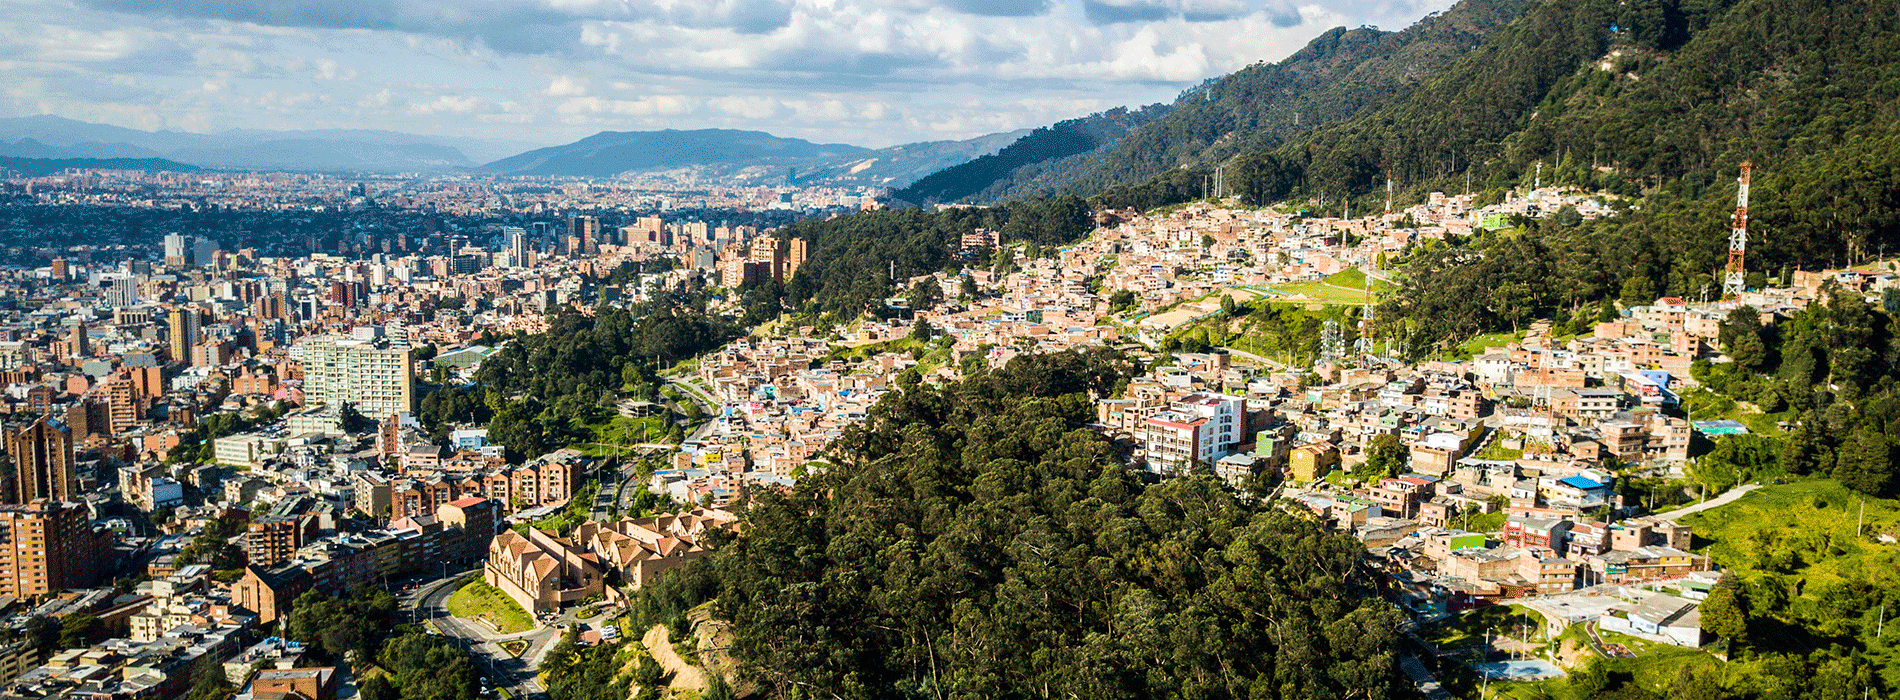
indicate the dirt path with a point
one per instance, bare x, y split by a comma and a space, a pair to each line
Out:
684, 675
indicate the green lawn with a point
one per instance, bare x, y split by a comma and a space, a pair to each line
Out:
1469, 629
481, 602
1475, 345
1323, 293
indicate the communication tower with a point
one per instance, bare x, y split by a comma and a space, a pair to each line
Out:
1737, 240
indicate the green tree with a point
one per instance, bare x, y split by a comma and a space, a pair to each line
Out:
80, 630
1725, 611
1740, 336
925, 294
377, 687
1384, 455
208, 681
1865, 463
1638, 290
1593, 680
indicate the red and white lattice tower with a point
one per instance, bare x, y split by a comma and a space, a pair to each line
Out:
1737, 241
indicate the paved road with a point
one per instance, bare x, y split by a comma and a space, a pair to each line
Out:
1721, 500
516, 674
708, 407
1423, 678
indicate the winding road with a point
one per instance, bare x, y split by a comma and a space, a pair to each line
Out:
515, 674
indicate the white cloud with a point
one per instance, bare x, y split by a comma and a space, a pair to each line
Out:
871, 72
564, 86
449, 104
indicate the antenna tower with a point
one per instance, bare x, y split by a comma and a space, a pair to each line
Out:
1332, 343
1388, 193
1364, 343
1737, 240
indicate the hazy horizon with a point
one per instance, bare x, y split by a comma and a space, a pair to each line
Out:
549, 72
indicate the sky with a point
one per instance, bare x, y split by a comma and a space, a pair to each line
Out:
866, 72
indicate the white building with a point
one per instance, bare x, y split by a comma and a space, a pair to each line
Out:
1199, 428
374, 374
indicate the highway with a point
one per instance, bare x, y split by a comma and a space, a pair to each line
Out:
513, 674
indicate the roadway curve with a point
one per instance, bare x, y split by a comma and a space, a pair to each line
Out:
708, 408
516, 674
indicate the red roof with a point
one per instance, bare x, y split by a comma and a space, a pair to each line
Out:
471, 501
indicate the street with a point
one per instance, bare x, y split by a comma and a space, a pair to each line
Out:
514, 674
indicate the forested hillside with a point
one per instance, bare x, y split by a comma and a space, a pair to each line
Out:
1659, 101
852, 257
979, 541
1338, 75
1064, 139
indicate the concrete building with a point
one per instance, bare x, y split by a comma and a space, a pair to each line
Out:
50, 546
373, 374
1199, 428
42, 457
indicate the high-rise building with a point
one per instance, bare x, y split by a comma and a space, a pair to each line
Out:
204, 252
183, 334
178, 249
122, 291
587, 229
374, 375
49, 546
42, 456
80, 342
517, 245
60, 271
122, 403
794, 257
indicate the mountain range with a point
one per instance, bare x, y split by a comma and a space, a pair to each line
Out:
748, 157
724, 155
51, 137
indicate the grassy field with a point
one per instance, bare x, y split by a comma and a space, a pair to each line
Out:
1469, 629
1805, 529
1347, 287
481, 602
1476, 344
620, 431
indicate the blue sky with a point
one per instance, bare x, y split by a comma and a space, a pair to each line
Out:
551, 71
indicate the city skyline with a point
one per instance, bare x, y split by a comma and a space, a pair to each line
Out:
544, 73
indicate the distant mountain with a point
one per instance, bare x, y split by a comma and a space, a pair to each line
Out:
47, 136
611, 153
37, 167
745, 157
898, 166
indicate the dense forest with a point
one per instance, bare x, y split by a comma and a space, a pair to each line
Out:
851, 258
543, 390
979, 541
1833, 370
1064, 139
